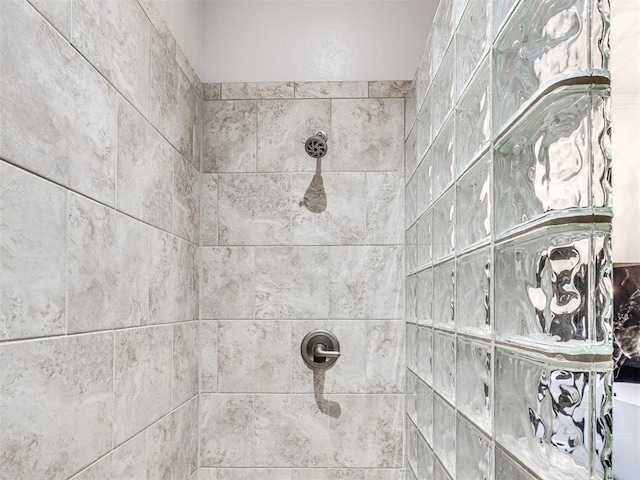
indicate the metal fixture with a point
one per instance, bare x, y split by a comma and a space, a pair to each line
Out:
316, 146
320, 349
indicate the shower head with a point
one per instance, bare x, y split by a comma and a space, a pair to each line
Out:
316, 146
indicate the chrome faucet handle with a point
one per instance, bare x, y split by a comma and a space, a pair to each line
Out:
320, 351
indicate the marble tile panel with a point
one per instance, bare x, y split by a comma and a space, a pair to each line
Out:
208, 356
209, 210
56, 405
332, 89
290, 431
57, 12
58, 116
226, 431
249, 91
368, 432
186, 201
254, 209
284, 126
211, 91
142, 379
389, 88
385, 207
343, 221
107, 268
292, 282
366, 135
366, 282
116, 38
145, 169
254, 356
186, 358
384, 356
229, 136
228, 283
32, 255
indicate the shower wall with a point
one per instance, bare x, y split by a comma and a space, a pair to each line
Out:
273, 271
99, 232
508, 208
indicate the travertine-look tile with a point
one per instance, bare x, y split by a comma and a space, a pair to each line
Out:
145, 169
57, 114
160, 447
385, 208
108, 268
343, 221
185, 362
228, 283
209, 210
211, 91
389, 88
226, 430
208, 356
56, 407
254, 474
115, 37
292, 282
58, 13
243, 362
366, 135
32, 255
126, 461
96, 471
248, 91
283, 127
142, 379
229, 136
290, 431
207, 474
385, 356
332, 89
368, 433
366, 282
159, 24
254, 209
184, 422
186, 201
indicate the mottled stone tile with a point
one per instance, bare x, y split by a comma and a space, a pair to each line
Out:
254, 474
290, 431
244, 365
226, 431
209, 210
108, 268
385, 208
332, 89
128, 460
292, 282
368, 433
173, 279
145, 169
389, 88
186, 201
384, 356
346, 474
186, 358
32, 255
159, 24
248, 91
229, 136
208, 356
115, 37
56, 407
343, 221
211, 91
283, 127
160, 447
57, 114
366, 282
187, 68
254, 209
228, 283
207, 474
96, 471
142, 379
184, 423
366, 135
57, 12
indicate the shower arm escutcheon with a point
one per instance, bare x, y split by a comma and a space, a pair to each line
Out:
320, 349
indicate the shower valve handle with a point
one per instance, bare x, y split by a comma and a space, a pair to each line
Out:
320, 351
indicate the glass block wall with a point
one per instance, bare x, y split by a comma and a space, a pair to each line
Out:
508, 209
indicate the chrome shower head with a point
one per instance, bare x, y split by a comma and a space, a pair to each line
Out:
316, 146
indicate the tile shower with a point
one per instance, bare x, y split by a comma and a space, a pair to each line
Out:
159, 270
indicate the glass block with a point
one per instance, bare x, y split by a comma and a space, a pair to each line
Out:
473, 118
424, 294
424, 408
412, 347
501, 9
425, 460
411, 302
603, 288
545, 413
443, 162
442, 30
542, 43
410, 108
472, 41
602, 423
600, 133
424, 73
474, 380
473, 204
410, 154
412, 445
425, 354
546, 161
443, 232
423, 127
425, 225
411, 246
443, 294
600, 30
424, 181
545, 289
474, 453
442, 93
444, 429
410, 202
473, 291
508, 469
411, 396
444, 365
